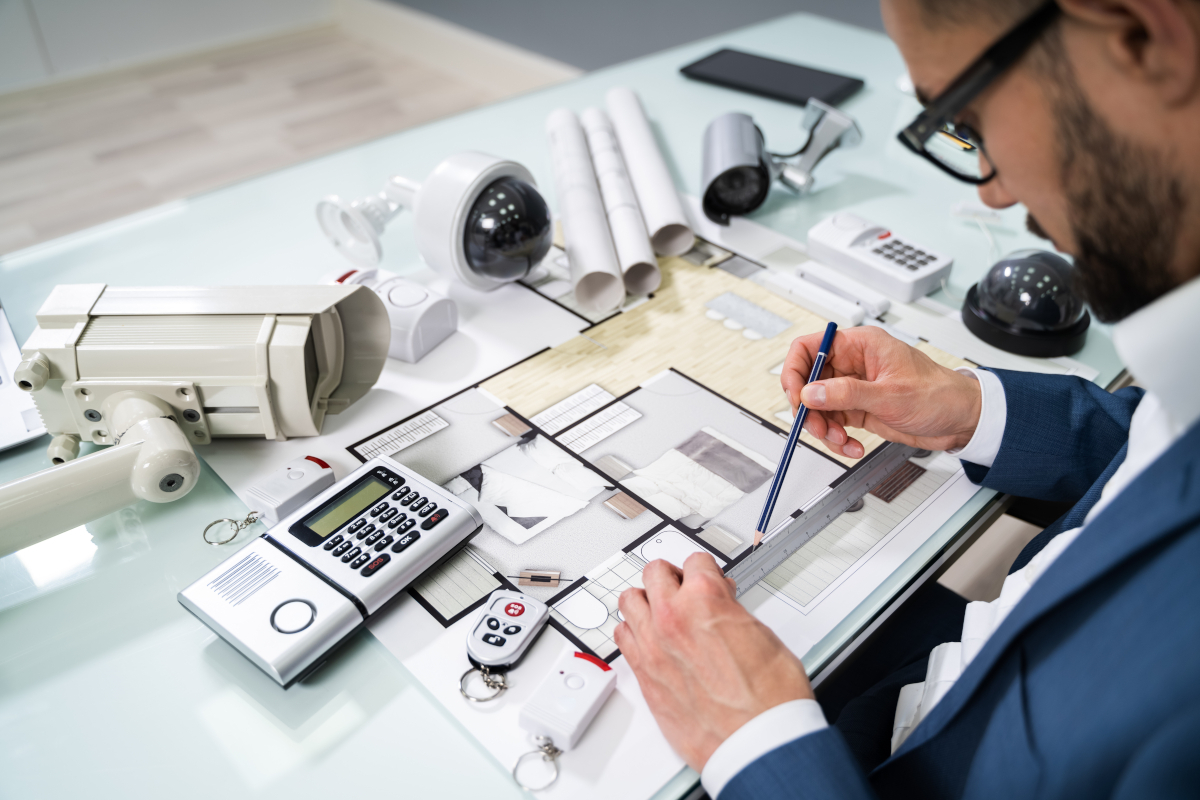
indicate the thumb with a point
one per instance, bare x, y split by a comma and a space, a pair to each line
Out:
842, 394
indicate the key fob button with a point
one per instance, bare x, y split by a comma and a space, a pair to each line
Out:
493, 639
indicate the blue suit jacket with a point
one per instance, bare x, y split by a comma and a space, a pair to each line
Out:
1091, 686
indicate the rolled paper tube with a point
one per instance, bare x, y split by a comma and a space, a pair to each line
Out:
635, 254
657, 197
595, 272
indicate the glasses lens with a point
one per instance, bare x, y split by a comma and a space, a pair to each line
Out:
960, 150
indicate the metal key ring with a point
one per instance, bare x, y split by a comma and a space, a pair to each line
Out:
548, 752
233, 523
491, 681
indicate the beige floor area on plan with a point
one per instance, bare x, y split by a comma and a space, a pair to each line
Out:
670, 330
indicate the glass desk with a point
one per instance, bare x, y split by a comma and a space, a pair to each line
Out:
108, 688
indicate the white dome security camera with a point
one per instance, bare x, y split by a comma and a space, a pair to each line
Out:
479, 218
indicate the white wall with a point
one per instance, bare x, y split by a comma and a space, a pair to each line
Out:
82, 36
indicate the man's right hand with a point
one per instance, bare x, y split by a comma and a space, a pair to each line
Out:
878, 383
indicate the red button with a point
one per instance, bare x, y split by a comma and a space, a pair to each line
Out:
514, 609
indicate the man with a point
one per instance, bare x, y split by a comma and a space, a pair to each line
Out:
1083, 679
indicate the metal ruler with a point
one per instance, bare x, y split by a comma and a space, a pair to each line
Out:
793, 533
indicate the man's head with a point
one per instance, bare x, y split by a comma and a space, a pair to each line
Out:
1094, 130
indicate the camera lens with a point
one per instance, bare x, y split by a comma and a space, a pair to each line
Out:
508, 230
736, 191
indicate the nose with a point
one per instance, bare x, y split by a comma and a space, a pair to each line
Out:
994, 195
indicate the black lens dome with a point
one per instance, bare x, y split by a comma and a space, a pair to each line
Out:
736, 191
1025, 305
508, 230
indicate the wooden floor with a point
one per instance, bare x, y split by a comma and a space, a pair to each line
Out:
87, 151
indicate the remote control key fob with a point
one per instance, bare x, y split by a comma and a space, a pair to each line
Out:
507, 625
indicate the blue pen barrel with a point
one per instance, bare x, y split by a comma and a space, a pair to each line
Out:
794, 436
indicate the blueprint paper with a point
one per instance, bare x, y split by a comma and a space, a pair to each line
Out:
595, 272
634, 251
666, 221
614, 396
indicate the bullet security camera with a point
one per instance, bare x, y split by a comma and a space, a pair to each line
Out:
738, 169
479, 218
154, 371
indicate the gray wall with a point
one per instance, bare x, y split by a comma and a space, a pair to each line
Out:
597, 33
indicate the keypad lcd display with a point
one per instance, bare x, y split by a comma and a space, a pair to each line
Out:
329, 519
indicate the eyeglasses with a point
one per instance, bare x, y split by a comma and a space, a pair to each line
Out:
955, 147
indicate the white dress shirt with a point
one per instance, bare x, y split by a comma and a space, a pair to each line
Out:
1152, 342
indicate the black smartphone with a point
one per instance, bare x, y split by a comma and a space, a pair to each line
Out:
778, 80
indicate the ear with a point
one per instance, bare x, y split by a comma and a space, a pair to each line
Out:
1153, 41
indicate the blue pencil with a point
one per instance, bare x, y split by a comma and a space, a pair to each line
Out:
786, 459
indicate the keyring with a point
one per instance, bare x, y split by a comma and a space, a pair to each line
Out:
238, 527
548, 752
491, 681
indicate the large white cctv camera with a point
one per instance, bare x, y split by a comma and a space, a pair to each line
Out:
154, 371
479, 218
738, 169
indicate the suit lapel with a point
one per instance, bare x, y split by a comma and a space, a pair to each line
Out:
1161, 499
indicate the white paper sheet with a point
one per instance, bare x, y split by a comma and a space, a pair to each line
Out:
622, 754
595, 272
656, 194
634, 251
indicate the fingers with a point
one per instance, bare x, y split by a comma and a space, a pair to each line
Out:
700, 571
798, 364
662, 580
844, 394
628, 645
635, 608
853, 449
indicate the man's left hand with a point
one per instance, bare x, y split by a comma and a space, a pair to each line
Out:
705, 665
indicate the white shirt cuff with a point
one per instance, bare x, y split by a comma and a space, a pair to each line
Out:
773, 728
993, 416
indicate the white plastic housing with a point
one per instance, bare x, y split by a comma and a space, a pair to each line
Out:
420, 318
565, 703
507, 624
289, 487
241, 600
849, 242
266, 361
153, 461
442, 206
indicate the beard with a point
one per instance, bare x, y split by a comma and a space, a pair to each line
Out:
1124, 207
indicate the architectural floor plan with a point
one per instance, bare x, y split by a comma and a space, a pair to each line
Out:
594, 444
653, 434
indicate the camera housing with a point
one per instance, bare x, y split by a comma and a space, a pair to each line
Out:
154, 371
478, 218
738, 169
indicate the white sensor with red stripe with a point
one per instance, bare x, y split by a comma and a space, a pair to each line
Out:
566, 702
286, 489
